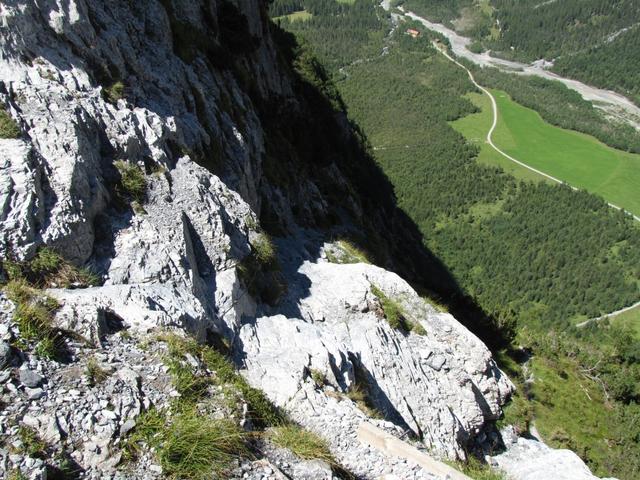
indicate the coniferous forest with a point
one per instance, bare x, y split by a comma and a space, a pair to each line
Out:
538, 258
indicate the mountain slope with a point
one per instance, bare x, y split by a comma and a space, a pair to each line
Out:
199, 162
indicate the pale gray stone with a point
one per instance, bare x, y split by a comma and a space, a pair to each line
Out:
30, 379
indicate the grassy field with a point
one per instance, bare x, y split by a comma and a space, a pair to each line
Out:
475, 127
302, 16
576, 158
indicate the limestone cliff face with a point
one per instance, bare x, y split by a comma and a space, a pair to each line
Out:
203, 97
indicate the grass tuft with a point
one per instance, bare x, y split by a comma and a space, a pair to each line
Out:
345, 251
49, 269
34, 317
392, 311
16, 474
149, 426
186, 381
319, 378
193, 449
301, 442
260, 271
264, 250
94, 373
32, 444
187, 445
477, 470
133, 183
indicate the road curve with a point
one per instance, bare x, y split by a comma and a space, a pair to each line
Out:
614, 104
608, 315
494, 124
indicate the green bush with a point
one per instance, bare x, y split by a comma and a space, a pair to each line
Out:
8, 126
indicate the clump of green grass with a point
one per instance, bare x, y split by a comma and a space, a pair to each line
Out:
193, 449
301, 442
94, 373
34, 316
392, 311
319, 378
345, 251
32, 444
133, 183
147, 432
478, 470
260, 271
223, 373
360, 395
49, 269
16, 474
8, 126
114, 92
264, 250
418, 329
188, 383
188, 445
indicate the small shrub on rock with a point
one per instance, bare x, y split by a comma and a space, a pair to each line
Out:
133, 183
32, 444
114, 92
392, 311
8, 126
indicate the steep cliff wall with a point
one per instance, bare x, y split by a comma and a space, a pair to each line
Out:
236, 133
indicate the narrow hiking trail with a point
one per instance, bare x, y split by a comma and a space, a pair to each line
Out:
494, 107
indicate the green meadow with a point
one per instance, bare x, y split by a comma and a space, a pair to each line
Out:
576, 158
301, 15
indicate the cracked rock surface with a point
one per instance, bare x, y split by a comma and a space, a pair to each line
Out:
188, 120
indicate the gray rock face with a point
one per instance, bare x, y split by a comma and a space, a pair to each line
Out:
30, 379
336, 333
5, 354
174, 266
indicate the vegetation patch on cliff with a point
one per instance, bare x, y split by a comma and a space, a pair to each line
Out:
8, 126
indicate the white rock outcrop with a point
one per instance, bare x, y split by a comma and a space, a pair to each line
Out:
173, 262
529, 459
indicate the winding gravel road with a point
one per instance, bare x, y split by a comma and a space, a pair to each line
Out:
612, 103
494, 107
